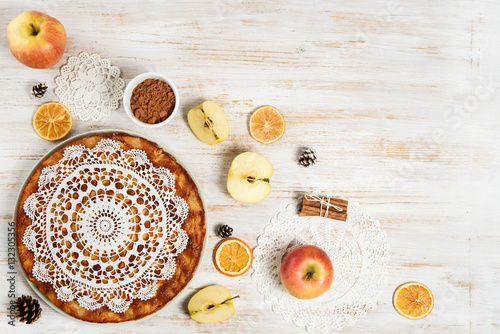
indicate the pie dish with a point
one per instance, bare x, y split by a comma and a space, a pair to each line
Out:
110, 227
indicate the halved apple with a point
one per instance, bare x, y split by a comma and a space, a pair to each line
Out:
211, 305
248, 177
209, 123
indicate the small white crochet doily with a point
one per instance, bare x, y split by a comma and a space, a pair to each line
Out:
106, 226
89, 86
359, 252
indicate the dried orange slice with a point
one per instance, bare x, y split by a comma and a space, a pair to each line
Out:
267, 125
413, 300
52, 121
233, 257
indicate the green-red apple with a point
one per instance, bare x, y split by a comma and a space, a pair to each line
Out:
306, 272
36, 39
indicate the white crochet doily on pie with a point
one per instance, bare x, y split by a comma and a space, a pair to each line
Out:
106, 226
89, 86
359, 252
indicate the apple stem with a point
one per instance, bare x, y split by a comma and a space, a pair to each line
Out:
34, 30
309, 275
230, 299
252, 179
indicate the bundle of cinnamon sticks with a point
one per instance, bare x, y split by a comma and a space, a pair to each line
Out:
333, 208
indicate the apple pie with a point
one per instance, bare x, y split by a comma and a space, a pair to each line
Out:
110, 228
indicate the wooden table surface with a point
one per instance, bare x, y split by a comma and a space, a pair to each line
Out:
400, 100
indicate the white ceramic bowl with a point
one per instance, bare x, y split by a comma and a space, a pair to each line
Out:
130, 88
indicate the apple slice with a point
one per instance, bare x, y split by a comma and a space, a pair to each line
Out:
248, 177
211, 305
209, 123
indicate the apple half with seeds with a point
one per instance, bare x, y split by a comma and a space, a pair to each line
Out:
209, 123
211, 305
249, 176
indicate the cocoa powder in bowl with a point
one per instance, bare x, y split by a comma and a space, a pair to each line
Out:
152, 101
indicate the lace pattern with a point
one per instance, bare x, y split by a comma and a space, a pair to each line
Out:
359, 252
89, 86
106, 226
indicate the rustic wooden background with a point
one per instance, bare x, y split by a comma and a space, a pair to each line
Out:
400, 99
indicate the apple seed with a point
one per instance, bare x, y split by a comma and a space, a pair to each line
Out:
209, 124
252, 179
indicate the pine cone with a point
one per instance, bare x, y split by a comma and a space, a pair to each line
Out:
307, 158
28, 309
225, 231
39, 90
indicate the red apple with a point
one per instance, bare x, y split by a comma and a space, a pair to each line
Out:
306, 272
36, 39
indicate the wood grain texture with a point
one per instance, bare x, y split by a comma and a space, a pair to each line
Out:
399, 99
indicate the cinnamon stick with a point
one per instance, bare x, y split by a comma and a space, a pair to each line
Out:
307, 211
334, 201
318, 207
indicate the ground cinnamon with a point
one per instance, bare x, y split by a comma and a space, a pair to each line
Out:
152, 101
